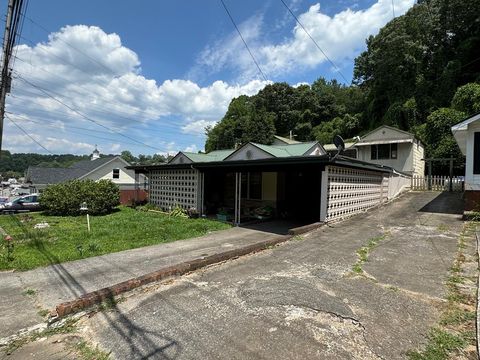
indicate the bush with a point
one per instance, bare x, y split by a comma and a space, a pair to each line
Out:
66, 198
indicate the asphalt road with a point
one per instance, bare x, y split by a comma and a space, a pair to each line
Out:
300, 300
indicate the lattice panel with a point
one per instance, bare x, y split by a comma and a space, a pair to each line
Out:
351, 191
169, 188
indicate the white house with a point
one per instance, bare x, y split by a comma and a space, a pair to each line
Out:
111, 168
467, 134
394, 148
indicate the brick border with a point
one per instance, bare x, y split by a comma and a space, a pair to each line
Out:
96, 297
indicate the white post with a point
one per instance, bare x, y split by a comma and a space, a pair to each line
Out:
324, 195
88, 222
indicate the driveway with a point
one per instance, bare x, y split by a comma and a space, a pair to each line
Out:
301, 300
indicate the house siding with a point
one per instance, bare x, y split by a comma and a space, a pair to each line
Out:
472, 181
126, 178
403, 162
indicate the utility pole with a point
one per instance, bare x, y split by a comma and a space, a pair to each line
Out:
6, 77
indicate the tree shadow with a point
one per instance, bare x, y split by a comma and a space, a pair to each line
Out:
446, 203
138, 339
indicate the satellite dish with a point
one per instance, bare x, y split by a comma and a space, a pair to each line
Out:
339, 144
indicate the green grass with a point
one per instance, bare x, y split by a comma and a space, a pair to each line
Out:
364, 251
87, 352
67, 237
440, 344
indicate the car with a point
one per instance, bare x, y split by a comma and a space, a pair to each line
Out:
21, 204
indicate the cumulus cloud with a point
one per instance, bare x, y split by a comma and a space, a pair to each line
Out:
99, 79
341, 36
197, 127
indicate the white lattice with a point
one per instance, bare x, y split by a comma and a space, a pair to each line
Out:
169, 188
351, 191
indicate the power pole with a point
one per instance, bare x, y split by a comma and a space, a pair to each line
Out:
6, 78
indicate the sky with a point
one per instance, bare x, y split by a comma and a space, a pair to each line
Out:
149, 76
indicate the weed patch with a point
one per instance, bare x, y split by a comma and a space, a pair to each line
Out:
454, 332
364, 252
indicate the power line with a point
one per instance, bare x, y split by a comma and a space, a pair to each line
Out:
311, 38
26, 133
83, 115
244, 42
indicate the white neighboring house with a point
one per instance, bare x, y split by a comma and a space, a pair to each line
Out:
111, 168
467, 134
392, 147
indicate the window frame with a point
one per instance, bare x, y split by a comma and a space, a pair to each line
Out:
117, 175
377, 153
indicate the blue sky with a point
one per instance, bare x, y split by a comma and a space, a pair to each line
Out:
149, 76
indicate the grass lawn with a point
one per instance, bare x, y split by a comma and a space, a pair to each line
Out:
67, 237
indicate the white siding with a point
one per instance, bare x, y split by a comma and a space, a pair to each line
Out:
403, 162
418, 163
472, 182
126, 177
249, 152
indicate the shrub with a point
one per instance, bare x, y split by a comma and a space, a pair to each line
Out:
66, 198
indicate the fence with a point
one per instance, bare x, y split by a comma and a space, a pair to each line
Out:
437, 183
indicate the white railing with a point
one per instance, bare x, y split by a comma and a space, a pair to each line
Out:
437, 183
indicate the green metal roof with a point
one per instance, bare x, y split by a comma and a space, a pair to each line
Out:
217, 155
287, 150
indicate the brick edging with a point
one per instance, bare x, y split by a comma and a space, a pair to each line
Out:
96, 297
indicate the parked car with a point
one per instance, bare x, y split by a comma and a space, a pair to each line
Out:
21, 204
20, 191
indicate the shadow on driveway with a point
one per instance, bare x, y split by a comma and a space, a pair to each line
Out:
445, 203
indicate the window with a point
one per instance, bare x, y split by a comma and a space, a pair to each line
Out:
116, 174
383, 151
476, 153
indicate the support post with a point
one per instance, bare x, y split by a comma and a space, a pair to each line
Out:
450, 176
238, 198
429, 175
324, 195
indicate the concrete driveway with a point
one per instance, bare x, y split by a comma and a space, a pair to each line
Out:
301, 300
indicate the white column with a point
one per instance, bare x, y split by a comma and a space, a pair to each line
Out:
324, 195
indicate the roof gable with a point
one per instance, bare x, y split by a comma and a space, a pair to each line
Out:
250, 151
386, 133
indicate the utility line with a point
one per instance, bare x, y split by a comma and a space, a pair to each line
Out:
244, 42
26, 133
316, 44
83, 115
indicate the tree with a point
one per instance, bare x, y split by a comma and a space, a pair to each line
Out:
128, 157
467, 99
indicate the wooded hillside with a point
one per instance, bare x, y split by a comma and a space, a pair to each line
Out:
421, 73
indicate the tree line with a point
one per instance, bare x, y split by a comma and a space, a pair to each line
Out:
420, 73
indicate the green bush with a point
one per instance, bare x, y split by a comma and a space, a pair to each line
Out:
66, 198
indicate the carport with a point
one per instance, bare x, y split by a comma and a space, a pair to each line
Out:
304, 189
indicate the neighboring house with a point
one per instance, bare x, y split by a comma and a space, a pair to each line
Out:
467, 134
295, 181
394, 148
112, 168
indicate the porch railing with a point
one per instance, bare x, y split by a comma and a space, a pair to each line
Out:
437, 183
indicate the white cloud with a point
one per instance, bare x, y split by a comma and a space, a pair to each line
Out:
94, 74
191, 148
341, 37
197, 127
